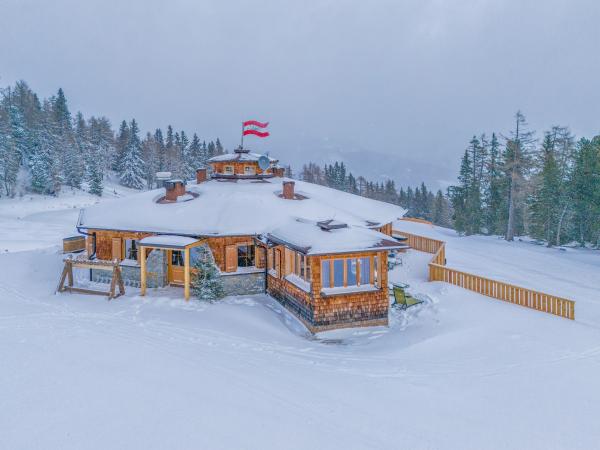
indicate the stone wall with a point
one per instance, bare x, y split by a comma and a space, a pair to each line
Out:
156, 270
243, 283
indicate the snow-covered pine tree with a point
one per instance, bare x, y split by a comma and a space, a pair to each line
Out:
120, 147
206, 283
132, 167
160, 150
150, 158
76, 153
194, 156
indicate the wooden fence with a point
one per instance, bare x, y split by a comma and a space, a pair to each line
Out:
486, 286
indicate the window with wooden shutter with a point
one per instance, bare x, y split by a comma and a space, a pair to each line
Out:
231, 258
117, 249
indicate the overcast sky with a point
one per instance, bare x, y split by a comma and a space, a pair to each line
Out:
414, 79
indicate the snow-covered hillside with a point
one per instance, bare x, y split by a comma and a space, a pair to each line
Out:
572, 273
461, 371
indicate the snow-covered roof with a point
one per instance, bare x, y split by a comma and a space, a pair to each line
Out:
168, 241
241, 207
241, 157
311, 239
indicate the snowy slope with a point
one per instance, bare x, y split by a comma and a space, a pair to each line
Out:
458, 372
572, 273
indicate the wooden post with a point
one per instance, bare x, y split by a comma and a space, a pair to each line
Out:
186, 273
143, 270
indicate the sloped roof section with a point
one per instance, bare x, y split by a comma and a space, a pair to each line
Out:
240, 157
230, 208
311, 239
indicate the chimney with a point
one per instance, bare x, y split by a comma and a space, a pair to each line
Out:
200, 175
288, 190
278, 171
174, 189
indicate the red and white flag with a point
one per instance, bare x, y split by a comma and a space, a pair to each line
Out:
255, 127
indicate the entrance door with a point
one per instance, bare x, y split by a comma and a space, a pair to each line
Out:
176, 269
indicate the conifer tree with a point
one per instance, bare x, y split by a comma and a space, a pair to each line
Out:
132, 169
206, 283
517, 163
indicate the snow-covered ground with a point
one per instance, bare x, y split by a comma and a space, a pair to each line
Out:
460, 371
572, 273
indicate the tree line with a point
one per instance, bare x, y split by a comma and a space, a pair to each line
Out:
515, 185
420, 202
43, 148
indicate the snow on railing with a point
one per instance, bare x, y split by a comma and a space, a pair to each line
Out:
528, 298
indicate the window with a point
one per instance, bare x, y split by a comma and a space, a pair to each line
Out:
351, 272
245, 255
131, 249
301, 266
249, 170
177, 258
338, 273
326, 273
228, 170
347, 272
365, 270
376, 271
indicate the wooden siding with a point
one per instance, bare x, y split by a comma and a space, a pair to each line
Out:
218, 247
332, 311
107, 243
238, 167
507, 292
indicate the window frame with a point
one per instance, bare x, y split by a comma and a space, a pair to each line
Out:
228, 169
249, 259
371, 277
249, 170
135, 248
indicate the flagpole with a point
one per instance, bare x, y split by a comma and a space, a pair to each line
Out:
242, 144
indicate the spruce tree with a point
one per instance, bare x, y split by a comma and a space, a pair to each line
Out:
132, 168
206, 283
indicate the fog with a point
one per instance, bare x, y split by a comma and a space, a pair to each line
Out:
408, 82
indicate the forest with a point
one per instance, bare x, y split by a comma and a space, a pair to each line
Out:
547, 188
519, 184
43, 148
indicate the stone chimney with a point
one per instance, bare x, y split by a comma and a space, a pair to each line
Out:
174, 189
288, 190
278, 171
200, 175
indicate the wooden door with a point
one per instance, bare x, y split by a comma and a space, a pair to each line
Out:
117, 249
231, 258
176, 269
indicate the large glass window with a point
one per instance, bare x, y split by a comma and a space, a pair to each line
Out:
131, 249
347, 272
245, 255
338, 273
326, 273
351, 272
365, 270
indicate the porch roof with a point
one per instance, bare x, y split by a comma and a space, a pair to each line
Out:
168, 241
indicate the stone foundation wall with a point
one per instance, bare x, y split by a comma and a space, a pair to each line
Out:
156, 270
244, 283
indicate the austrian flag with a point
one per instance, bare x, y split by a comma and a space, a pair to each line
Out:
255, 127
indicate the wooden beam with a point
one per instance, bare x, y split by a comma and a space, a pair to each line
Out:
186, 274
142, 270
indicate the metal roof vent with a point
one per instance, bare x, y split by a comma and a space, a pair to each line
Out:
331, 224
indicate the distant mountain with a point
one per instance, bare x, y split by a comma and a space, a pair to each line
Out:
375, 166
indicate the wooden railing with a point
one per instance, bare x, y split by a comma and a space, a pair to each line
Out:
486, 286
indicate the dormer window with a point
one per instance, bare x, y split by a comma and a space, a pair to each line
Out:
249, 170
228, 170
